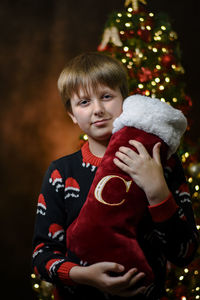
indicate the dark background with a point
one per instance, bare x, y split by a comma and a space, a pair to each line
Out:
37, 38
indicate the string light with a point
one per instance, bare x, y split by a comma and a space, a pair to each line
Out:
129, 15
36, 286
174, 100
151, 14
85, 137
164, 50
140, 85
130, 9
148, 27
128, 24
147, 93
119, 15
141, 19
163, 27
126, 48
161, 87
190, 180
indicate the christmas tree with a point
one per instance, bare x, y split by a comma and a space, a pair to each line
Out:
149, 49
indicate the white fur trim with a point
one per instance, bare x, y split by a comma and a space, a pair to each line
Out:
153, 116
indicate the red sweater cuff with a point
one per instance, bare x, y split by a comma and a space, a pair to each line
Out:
165, 210
63, 273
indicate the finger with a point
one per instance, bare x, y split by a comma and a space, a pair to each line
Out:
137, 278
121, 165
128, 151
140, 148
156, 152
122, 282
123, 157
113, 267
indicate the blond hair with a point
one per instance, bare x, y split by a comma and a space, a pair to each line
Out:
87, 71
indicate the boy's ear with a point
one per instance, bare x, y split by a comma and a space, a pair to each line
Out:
72, 117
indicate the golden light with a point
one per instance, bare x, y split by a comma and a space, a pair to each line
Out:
181, 277
126, 48
157, 79
163, 27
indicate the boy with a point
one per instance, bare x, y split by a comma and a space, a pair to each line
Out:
93, 87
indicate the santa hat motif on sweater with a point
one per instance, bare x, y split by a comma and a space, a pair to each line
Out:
56, 232
56, 180
153, 116
41, 206
72, 188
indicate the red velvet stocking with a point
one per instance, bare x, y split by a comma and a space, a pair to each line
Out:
106, 228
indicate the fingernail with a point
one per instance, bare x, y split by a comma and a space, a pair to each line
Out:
121, 268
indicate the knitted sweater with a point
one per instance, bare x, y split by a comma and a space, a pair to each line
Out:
166, 232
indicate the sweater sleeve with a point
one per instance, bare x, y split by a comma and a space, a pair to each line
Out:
174, 221
49, 240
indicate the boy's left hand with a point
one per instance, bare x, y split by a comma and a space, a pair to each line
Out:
146, 171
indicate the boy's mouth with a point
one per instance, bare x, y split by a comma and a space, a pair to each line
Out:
100, 122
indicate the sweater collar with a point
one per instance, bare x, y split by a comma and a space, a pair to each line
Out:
88, 157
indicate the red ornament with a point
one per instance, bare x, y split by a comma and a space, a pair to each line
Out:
145, 75
167, 60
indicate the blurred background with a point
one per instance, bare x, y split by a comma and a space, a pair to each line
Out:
37, 38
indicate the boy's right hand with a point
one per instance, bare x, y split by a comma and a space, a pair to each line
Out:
99, 276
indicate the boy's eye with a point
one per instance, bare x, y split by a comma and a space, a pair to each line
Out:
84, 102
106, 96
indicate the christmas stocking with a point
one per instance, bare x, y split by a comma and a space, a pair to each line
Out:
106, 228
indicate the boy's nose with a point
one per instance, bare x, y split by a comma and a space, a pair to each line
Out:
98, 108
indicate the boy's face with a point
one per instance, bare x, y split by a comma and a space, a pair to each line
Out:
95, 111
